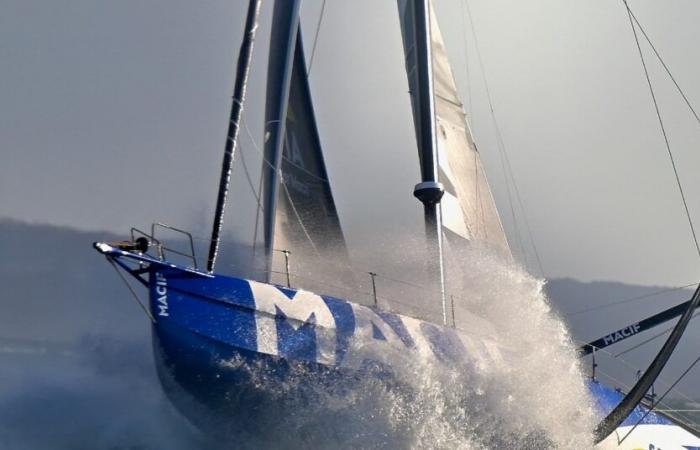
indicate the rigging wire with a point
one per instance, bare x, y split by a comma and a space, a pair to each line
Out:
256, 194
466, 59
499, 141
287, 194
663, 128
637, 369
478, 198
298, 216
259, 208
313, 48
133, 292
604, 427
680, 418
628, 300
663, 63
653, 338
651, 408
633, 367
505, 160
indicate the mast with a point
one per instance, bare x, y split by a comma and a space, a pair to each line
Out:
245, 57
283, 42
429, 191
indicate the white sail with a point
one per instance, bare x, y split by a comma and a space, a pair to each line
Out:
467, 207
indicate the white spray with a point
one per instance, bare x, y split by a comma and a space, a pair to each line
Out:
534, 397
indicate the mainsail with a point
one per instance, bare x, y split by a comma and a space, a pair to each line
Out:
300, 214
468, 210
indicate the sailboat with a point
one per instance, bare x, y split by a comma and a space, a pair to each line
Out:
219, 339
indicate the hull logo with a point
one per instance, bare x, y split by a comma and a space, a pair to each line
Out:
621, 334
162, 295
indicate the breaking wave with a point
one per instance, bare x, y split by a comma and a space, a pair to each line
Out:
532, 395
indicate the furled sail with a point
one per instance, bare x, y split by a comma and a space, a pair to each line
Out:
468, 210
300, 214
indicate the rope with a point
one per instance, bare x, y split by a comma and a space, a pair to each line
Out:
683, 419
477, 192
653, 338
501, 147
133, 293
680, 418
466, 59
282, 182
286, 190
505, 160
649, 409
247, 176
659, 380
668, 71
313, 49
259, 208
257, 148
629, 300
296, 214
663, 128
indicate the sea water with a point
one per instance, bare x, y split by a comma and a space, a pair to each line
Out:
532, 397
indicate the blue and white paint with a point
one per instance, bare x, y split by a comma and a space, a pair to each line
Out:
222, 338
301, 325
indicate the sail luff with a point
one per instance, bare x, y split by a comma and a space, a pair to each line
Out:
416, 24
283, 41
468, 208
245, 57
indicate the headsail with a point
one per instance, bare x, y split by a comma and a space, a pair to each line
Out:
300, 214
468, 209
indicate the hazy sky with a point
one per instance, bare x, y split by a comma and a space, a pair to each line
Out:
114, 113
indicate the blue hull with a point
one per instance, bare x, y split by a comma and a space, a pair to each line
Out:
243, 358
236, 356
231, 392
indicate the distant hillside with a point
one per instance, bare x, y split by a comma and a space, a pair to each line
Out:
585, 305
75, 350
581, 305
56, 287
